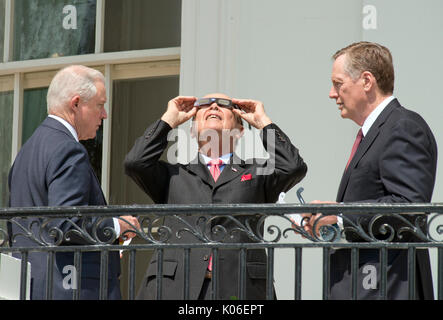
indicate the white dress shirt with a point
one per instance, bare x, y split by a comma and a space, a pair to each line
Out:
374, 115
224, 158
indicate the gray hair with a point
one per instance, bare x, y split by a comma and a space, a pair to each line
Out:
71, 81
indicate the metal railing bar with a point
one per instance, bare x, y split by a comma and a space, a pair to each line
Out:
298, 274
78, 269
383, 273
411, 273
49, 275
223, 209
186, 273
23, 274
242, 274
131, 269
256, 245
354, 271
326, 273
440, 273
159, 279
215, 278
270, 275
104, 258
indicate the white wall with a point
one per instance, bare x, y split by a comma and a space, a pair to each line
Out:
280, 52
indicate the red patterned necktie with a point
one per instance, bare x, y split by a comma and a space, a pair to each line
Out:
215, 168
215, 171
355, 146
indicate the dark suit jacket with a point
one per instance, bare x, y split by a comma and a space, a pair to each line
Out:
193, 184
395, 162
53, 169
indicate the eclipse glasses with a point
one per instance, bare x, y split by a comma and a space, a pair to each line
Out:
224, 103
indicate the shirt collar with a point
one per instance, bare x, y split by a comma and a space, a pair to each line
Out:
225, 158
66, 124
374, 115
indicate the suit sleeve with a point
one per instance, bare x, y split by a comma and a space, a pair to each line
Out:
285, 167
143, 164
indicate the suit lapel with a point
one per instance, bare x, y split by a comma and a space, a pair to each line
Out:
365, 144
198, 167
232, 170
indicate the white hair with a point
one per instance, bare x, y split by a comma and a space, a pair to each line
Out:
71, 81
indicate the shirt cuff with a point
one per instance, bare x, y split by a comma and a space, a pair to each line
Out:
116, 227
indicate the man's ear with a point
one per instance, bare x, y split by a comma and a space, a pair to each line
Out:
74, 103
368, 80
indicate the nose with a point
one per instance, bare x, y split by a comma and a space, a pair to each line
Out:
333, 93
214, 106
104, 114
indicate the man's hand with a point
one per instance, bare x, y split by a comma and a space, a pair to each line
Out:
322, 220
125, 226
180, 109
252, 112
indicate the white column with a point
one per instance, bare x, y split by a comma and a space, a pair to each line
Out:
208, 46
17, 115
100, 26
9, 31
106, 154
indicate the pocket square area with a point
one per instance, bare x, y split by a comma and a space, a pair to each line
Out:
246, 177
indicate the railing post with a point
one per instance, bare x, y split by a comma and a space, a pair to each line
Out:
49, 275
24, 274
78, 269
186, 273
242, 274
104, 258
270, 275
298, 269
411, 273
326, 272
131, 268
384, 272
440, 273
214, 279
354, 271
159, 279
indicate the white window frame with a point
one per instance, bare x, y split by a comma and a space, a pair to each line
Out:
18, 76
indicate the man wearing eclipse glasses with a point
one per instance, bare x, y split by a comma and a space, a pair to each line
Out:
217, 175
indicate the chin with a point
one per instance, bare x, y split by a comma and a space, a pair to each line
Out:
214, 127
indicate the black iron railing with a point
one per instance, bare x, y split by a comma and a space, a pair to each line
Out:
389, 226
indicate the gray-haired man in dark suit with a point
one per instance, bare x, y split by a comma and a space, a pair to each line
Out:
217, 175
53, 169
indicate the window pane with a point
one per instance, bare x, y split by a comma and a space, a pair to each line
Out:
52, 28
142, 24
6, 108
136, 104
35, 111
2, 28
